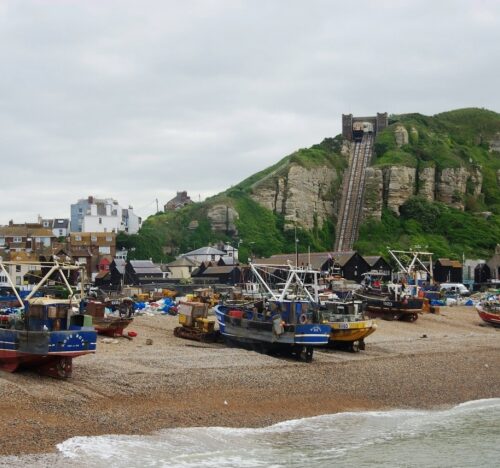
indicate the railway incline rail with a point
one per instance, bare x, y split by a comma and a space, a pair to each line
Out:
353, 188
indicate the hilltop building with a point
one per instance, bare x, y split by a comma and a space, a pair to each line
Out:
180, 200
103, 215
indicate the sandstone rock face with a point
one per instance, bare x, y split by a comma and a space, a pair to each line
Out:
401, 135
223, 218
414, 134
427, 183
399, 185
374, 187
299, 195
451, 186
495, 143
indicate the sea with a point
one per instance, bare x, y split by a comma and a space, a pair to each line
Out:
467, 435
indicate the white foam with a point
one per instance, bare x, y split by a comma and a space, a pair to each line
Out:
319, 440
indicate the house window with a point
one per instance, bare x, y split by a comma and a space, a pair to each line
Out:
17, 239
82, 260
105, 249
45, 224
18, 268
213, 257
3, 279
109, 239
18, 281
78, 238
61, 232
100, 220
80, 210
93, 238
2, 240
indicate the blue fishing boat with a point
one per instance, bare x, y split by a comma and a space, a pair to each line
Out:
286, 320
45, 333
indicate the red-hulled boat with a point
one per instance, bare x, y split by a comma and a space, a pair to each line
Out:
489, 311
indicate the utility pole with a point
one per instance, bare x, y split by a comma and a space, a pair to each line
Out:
157, 210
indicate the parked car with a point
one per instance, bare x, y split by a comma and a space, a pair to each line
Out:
458, 289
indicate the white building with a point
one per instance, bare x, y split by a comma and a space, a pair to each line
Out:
59, 226
103, 215
229, 255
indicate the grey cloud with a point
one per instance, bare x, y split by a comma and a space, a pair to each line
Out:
136, 100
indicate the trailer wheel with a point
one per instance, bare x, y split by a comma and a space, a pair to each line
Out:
362, 345
354, 347
309, 353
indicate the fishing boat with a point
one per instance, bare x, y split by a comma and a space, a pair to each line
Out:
110, 323
45, 333
489, 311
349, 325
390, 300
285, 321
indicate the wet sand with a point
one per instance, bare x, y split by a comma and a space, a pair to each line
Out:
129, 387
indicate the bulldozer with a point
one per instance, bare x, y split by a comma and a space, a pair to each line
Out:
194, 323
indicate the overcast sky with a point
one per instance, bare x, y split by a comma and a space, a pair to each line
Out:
138, 99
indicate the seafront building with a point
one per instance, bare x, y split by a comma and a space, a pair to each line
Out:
93, 214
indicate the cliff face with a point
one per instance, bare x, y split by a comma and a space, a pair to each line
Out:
399, 183
301, 195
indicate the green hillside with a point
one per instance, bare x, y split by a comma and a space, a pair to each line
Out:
260, 231
451, 139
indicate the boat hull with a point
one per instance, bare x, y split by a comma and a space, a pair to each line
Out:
385, 307
488, 317
351, 331
246, 330
111, 326
50, 353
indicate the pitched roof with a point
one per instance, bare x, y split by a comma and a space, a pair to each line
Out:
372, 259
182, 262
219, 270
60, 223
145, 267
120, 265
449, 263
204, 251
317, 259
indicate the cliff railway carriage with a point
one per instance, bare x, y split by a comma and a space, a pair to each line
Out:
360, 128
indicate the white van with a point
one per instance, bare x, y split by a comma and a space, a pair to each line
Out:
454, 288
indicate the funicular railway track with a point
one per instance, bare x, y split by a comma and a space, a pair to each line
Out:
352, 195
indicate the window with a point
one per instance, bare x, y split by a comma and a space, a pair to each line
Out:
17, 239
2, 240
78, 238
93, 238
104, 249
80, 210
213, 257
18, 281
82, 260
100, 220
61, 232
109, 239
3, 279
18, 268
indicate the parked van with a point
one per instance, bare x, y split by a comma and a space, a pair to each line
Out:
454, 288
